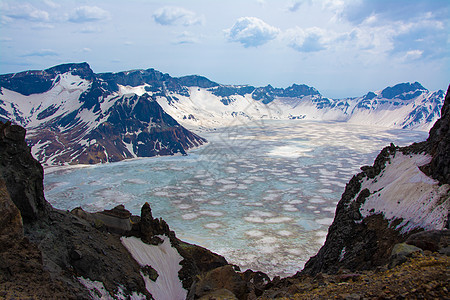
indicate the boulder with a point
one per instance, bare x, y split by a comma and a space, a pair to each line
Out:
401, 252
432, 240
220, 278
116, 220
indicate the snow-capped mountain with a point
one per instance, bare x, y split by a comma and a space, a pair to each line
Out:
76, 116
404, 105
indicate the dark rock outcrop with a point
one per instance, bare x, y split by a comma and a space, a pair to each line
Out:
23, 174
431, 240
22, 272
439, 140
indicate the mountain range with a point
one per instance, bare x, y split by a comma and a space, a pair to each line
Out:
73, 115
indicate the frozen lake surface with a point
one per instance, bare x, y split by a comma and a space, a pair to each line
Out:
262, 194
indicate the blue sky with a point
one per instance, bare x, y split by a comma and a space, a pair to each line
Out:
342, 48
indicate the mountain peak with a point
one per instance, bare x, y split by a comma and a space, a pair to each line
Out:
40, 81
403, 91
196, 80
81, 69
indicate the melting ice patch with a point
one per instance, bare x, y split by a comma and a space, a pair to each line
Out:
290, 151
165, 260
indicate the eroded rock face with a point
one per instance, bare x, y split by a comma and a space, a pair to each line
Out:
11, 226
22, 174
440, 144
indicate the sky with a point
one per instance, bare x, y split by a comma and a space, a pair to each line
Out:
343, 48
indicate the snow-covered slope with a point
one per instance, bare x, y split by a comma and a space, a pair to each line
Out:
163, 258
73, 116
403, 191
76, 116
407, 106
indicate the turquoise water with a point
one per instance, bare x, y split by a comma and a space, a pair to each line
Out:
261, 194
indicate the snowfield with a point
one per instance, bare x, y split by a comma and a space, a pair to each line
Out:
401, 190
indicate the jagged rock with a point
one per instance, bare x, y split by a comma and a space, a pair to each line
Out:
56, 246
439, 138
197, 260
150, 272
22, 273
22, 174
256, 282
149, 227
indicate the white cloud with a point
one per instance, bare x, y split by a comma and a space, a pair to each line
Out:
52, 4
90, 29
41, 53
186, 38
308, 40
43, 26
85, 14
413, 55
294, 6
25, 12
171, 15
251, 32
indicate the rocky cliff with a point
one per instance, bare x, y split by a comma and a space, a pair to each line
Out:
48, 253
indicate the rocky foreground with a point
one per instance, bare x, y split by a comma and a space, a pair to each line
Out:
385, 242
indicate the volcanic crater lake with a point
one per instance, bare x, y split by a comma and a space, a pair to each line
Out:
261, 194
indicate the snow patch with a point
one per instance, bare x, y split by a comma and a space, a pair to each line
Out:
97, 290
165, 260
401, 190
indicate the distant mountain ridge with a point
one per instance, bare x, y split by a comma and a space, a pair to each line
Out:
74, 115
